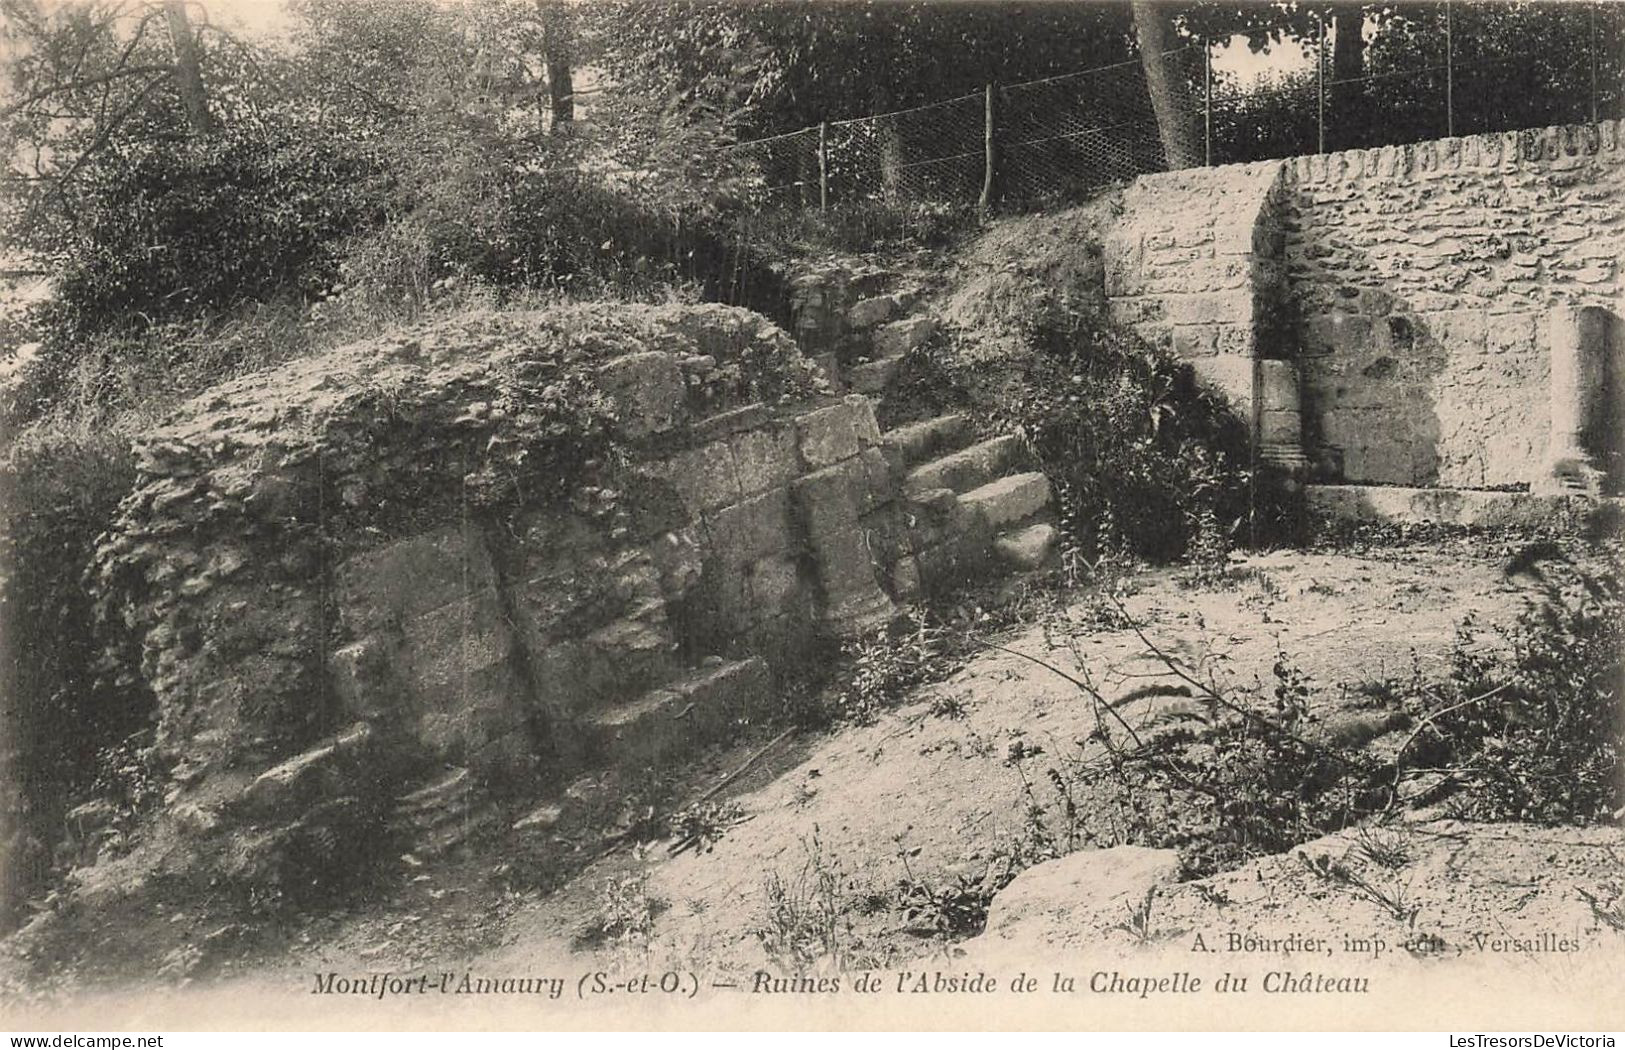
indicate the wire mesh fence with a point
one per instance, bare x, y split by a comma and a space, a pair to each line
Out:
1062, 136
1448, 70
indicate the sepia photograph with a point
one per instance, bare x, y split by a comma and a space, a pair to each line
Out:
812, 515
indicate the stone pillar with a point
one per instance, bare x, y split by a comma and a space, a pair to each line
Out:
848, 478
828, 506
1578, 339
1280, 419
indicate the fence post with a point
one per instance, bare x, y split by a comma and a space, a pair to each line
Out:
987, 152
1320, 87
1591, 54
1449, 77
1207, 101
823, 165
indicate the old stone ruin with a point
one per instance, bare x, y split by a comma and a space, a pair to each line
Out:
1422, 332
377, 593
365, 614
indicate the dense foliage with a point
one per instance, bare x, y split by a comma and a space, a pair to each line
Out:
1538, 737
202, 224
61, 492
1144, 461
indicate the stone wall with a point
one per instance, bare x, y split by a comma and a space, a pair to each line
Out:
1414, 286
1422, 276
1194, 266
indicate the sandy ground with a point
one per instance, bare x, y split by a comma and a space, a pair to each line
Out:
927, 792
942, 791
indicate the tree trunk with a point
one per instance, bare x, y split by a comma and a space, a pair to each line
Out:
1168, 101
557, 51
188, 74
1347, 117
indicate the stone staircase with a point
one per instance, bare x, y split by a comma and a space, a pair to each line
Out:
973, 507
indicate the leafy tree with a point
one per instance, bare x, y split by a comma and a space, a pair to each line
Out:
806, 62
1514, 64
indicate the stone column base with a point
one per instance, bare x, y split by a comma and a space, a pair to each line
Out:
1569, 475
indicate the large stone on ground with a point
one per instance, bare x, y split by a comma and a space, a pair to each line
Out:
1027, 548
1090, 889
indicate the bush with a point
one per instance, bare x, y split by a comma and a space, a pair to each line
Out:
59, 489
1142, 457
1537, 735
187, 263
1143, 460
208, 222
129, 376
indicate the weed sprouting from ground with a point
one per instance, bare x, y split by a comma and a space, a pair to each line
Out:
626, 914
703, 824
948, 705
889, 663
1389, 894
1138, 922
807, 922
1384, 847
955, 908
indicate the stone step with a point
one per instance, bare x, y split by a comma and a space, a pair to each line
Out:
967, 469
899, 337
441, 815
1026, 549
453, 788
448, 834
873, 377
1009, 499
918, 442
679, 715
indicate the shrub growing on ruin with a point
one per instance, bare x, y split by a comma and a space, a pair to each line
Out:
1143, 460
1142, 457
